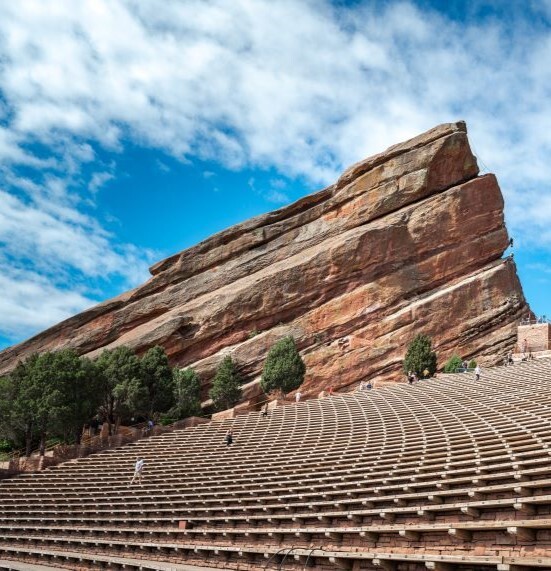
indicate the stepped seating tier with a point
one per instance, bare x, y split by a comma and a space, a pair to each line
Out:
448, 473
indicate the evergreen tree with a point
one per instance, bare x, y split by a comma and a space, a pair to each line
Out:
46, 379
80, 386
420, 356
123, 391
8, 430
226, 386
284, 368
452, 364
187, 394
157, 378
36, 400
5, 406
27, 417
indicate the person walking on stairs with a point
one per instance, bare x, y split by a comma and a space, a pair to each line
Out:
477, 372
138, 469
229, 437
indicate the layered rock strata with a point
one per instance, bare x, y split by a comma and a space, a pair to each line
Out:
408, 241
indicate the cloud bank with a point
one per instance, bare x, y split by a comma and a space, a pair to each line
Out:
305, 88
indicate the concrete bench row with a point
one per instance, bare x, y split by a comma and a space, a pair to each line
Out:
404, 477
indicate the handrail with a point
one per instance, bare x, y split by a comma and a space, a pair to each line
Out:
535, 320
85, 441
273, 555
310, 555
282, 562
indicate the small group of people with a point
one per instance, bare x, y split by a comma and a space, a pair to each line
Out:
412, 376
92, 428
366, 385
526, 351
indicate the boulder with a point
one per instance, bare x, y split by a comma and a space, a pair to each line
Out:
408, 241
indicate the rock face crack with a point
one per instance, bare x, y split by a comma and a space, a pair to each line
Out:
410, 240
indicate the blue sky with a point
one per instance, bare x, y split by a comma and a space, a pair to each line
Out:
130, 130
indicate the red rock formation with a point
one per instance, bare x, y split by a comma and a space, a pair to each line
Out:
410, 240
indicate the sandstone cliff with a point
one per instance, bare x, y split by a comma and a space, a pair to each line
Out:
410, 240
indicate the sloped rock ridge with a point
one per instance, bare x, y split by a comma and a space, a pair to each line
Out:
410, 240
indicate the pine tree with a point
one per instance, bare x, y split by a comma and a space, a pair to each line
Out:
157, 378
420, 356
187, 394
226, 386
123, 391
284, 368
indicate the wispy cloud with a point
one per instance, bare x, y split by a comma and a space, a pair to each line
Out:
304, 88
31, 301
98, 180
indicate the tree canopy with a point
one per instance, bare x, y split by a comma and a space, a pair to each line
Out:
284, 368
156, 375
453, 363
226, 386
48, 394
123, 392
420, 356
187, 394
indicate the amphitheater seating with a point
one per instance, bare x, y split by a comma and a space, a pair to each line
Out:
447, 474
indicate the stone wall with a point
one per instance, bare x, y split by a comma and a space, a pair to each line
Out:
537, 337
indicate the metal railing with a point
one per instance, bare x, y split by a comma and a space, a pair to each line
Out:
60, 452
535, 320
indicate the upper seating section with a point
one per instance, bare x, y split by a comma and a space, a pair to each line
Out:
447, 472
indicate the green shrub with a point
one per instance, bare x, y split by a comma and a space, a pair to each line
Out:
5, 445
187, 392
284, 368
452, 364
226, 386
420, 356
472, 364
157, 377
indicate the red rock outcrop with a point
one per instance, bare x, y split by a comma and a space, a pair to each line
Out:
410, 240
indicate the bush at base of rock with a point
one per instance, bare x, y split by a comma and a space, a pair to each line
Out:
226, 386
452, 364
420, 356
187, 393
284, 368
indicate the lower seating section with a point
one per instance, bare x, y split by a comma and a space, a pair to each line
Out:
449, 473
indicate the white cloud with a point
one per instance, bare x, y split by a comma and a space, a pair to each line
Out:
300, 87
30, 301
62, 240
99, 179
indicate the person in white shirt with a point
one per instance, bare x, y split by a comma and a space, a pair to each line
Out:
477, 373
138, 469
298, 396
